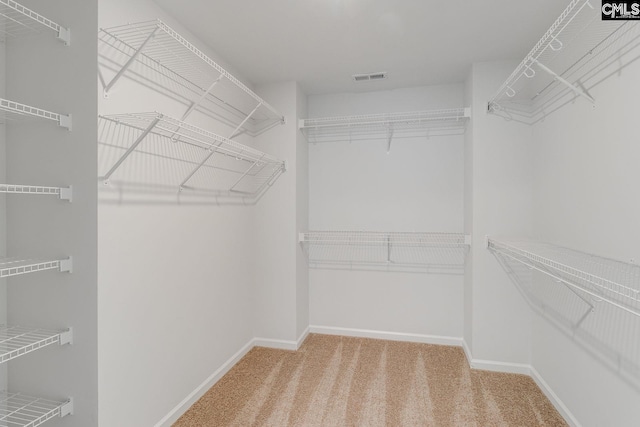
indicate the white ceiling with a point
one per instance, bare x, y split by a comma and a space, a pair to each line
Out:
321, 43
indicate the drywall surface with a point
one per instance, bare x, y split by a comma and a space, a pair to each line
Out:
302, 218
279, 302
468, 214
175, 272
586, 198
417, 186
3, 213
502, 206
42, 71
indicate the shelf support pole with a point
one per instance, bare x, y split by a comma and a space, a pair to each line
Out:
246, 173
128, 63
565, 82
202, 97
130, 149
212, 151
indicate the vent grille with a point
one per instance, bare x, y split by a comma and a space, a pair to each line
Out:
370, 76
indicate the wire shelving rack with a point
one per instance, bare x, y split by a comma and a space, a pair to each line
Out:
387, 125
11, 110
17, 20
18, 410
153, 52
17, 266
411, 250
16, 341
63, 193
198, 160
611, 281
563, 64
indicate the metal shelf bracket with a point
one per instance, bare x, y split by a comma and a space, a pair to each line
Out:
67, 408
66, 265
66, 337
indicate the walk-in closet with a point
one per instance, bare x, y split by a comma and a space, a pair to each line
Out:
319, 213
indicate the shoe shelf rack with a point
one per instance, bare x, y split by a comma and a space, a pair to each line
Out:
420, 250
604, 280
25, 411
386, 125
152, 52
17, 20
16, 341
16, 409
200, 160
562, 65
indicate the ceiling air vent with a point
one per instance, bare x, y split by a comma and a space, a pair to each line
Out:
370, 76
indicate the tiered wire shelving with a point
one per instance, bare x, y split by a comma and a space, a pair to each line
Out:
185, 157
63, 193
614, 282
17, 20
569, 59
15, 267
11, 110
156, 55
18, 410
410, 250
386, 126
16, 341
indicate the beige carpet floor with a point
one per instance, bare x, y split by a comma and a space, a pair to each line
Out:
340, 381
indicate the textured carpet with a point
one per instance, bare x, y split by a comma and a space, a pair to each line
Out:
340, 381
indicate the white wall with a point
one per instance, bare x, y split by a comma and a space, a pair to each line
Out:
502, 205
176, 274
41, 71
418, 186
586, 198
279, 299
3, 213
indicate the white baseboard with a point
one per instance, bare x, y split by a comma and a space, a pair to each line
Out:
467, 351
196, 394
277, 344
383, 335
554, 399
506, 367
302, 337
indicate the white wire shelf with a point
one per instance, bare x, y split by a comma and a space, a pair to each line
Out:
153, 52
614, 282
387, 125
17, 20
563, 65
18, 410
16, 341
63, 193
413, 250
11, 110
184, 156
14, 267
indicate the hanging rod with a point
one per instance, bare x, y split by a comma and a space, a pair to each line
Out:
614, 282
16, 20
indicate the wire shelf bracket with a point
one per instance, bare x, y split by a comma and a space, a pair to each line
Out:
63, 193
605, 280
16, 267
577, 46
387, 125
17, 111
16, 19
18, 410
16, 341
157, 47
